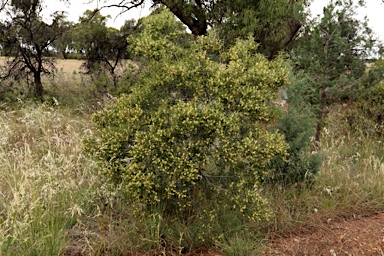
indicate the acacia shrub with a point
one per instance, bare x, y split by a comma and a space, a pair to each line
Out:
192, 136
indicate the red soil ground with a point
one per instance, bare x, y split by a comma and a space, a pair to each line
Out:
359, 236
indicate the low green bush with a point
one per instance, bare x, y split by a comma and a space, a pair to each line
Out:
12, 90
75, 56
368, 114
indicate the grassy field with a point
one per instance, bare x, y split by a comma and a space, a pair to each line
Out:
69, 66
54, 202
65, 66
68, 86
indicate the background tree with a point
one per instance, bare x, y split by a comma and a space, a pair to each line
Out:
104, 48
273, 24
28, 40
331, 55
65, 43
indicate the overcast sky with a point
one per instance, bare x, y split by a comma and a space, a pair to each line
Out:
77, 8
374, 11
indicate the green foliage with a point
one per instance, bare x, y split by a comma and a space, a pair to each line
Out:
330, 55
27, 40
101, 82
332, 52
273, 24
193, 131
298, 125
127, 79
303, 163
375, 74
12, 91
161, 37
369, 116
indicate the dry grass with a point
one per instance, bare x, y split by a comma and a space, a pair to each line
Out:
46, 183
53, 201
69, 66
65, 66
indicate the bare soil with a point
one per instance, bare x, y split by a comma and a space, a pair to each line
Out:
356, 236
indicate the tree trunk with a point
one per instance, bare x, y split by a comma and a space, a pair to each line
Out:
193, 16
63, 54
293, 30
322, 114
319, 126
38, 85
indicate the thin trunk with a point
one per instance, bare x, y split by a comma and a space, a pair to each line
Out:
319, 126
38, 85
321, 116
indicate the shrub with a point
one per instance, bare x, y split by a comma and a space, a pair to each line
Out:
14, 90
374, 75
193, 133
303, 162
298, 125
369, 116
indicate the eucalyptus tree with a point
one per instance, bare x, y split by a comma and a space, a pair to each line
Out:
27, 40
273, 24
103, 47
65, 43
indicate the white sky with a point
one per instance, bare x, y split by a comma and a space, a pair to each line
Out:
76, 8
374, 11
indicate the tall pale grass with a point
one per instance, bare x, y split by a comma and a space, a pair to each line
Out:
352, 176
46, 183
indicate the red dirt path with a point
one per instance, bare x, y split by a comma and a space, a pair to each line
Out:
362, 236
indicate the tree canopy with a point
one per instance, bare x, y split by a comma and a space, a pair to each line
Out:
273, 24
27, 40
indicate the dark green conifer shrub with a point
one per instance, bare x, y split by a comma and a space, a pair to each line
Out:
298, 124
